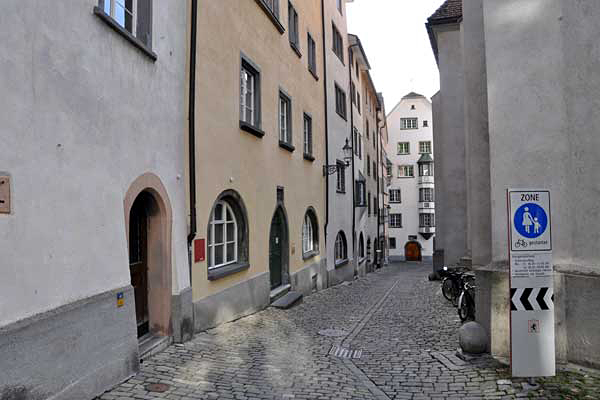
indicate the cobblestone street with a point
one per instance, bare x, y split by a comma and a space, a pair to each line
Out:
406, 330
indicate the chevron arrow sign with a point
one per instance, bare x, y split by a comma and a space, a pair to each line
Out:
531, 299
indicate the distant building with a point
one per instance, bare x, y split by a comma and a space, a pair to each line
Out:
411, 220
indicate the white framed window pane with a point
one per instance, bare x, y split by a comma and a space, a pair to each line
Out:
218, 254
230, 232
218, 216
218, 238
230, 252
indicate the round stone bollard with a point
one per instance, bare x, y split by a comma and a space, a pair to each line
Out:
472, 338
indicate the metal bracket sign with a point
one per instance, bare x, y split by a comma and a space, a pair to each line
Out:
531, 283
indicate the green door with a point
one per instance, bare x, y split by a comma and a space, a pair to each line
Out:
275, 250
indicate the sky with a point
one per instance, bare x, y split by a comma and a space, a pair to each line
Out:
394, 37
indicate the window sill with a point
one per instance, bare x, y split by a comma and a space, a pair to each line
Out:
340, 191
362, 260
339, 58
309, 157
271, 16
226, 270
395, 227
296, 49
310, 254
314, 74
251, 129
341, 115
286, 146
127, 35
405, 177
341, 263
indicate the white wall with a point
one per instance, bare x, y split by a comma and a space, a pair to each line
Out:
409, 207
84, 113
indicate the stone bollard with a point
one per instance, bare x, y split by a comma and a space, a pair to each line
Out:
472, 338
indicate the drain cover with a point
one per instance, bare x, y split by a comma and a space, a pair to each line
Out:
333, 332
157, 387
344, 353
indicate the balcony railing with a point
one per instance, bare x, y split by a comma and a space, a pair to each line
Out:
427, 205
425, 179
427, 229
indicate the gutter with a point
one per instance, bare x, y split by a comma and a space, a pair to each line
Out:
192, 134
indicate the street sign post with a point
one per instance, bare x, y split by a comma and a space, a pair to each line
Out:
531, 283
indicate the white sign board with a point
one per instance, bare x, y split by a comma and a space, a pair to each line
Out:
531, 283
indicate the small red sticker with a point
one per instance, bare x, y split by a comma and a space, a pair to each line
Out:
199, 250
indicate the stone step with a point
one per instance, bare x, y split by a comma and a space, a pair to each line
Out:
150, 345
287, 301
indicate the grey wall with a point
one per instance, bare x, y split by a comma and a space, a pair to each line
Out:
449, 137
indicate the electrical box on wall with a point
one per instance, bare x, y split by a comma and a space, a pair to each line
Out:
4, 195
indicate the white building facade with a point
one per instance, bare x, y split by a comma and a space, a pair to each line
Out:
411, 220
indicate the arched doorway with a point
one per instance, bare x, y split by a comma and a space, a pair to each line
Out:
412, 251
278, 250
148, 220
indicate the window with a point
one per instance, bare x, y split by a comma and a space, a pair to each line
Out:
412, 107
341, 177
425, 147
358, 101
340, 101
356, 69
310, 232
223, 236
388, 169
352, 92
338, 44
312, 55
395, 196
361, 200
375, 170
273, 6
367, 132
408, 123
395, 220
285, 119
392, 243
293, 27
405, 171
341, 248
135, 16
403, 148
307, 135
361, 247
425, 123
339, 5
249, 95
426, 169
357, 143
426, 220
369, 202
425, 194
369, 165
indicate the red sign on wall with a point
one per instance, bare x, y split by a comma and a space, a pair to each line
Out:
199, 250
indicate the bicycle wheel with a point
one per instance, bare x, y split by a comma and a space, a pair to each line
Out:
449, 289
463, 307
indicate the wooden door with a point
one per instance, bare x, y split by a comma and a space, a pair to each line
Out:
275, 251
138, 263
412, 251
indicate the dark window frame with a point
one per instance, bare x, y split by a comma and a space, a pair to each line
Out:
286, 144
272, 12
307, 154
253, 127
293, 26
340, 101
312, 55
340, 185
338, 43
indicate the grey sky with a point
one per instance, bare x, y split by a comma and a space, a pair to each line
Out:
394, 37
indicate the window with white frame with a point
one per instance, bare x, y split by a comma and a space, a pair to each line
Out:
406, 171
285, 118
426, 220
223, 236
408, 123
426, 194
396, 220
341, 248
308, 235
249, 94
395, 196
403, 148
426, 169
135, 16
361, 197
425, 147
307, 135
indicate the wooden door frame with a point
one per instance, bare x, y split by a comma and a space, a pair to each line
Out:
418, 246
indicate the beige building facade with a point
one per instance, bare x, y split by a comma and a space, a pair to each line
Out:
259, 151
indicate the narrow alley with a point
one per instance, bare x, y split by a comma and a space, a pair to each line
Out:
402, 347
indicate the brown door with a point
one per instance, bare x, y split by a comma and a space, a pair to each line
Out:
412, 251
138, 262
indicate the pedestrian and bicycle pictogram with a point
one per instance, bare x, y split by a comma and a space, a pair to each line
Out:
531, 299
531, 220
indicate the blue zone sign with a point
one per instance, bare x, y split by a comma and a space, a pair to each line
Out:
530, 227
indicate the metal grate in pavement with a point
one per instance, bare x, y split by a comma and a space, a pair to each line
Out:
341, 352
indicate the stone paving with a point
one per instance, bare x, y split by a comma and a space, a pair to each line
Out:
405, 328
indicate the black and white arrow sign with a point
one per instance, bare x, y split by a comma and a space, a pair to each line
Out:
532, 299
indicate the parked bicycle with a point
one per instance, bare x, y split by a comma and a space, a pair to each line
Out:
451, 283
466, 300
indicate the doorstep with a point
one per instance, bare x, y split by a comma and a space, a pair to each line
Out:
150, 345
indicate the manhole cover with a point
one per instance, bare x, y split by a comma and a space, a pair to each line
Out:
157, 387
333, 332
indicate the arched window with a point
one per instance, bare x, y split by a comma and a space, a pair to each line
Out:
222, 247
361, 246
341, 248
227, 242
310, 234
368, 248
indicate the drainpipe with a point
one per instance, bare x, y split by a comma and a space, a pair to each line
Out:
192, 134
353, 153
324, 46
378, 189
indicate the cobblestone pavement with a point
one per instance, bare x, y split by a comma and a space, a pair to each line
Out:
406, 330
